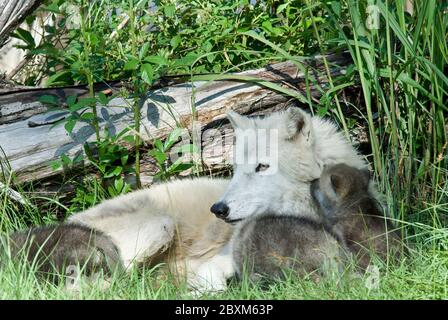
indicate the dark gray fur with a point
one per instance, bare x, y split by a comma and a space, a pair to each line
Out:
269, 244
348, 207
54, 248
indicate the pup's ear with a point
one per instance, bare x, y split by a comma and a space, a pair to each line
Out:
236, 120
336, 182
297, 121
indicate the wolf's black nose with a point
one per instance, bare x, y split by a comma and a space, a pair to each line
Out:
220, 209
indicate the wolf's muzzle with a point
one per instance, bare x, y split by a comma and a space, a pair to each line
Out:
220, 209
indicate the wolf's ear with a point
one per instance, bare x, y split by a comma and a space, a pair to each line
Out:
297, 121
236, 120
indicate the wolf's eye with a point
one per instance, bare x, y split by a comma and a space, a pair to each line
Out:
261, 167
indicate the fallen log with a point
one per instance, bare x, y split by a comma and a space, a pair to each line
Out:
12, 13
31, 144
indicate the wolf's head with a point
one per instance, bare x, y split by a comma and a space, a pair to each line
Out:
271, 155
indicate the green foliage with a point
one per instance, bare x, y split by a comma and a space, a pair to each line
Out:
162, 150
140, 42
99, 39
109, 156
400, 67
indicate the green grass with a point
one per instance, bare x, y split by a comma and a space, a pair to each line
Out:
423, 276
400, 70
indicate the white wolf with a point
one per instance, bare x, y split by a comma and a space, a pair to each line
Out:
274, 174
176, 215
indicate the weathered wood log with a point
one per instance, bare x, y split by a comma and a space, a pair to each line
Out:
30, 144
21, 103
12, 13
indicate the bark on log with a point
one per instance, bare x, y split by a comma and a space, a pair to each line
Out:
30, 144
12, 13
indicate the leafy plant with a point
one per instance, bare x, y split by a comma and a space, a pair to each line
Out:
161, 152
399, 68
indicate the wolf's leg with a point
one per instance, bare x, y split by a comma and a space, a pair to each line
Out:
212, 275
137, 226
139, 242
140, 236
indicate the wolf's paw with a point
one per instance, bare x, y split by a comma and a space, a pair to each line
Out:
208, 279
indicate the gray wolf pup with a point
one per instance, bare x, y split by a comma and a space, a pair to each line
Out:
268, 245
348, 207
57, 250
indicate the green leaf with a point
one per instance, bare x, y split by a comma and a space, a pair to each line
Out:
59, 78
260, 82
322, 110
147, 73
104, 100
211, 57
49, 99
260, 38
131, 64
169, 11
65, 160
111, 191
53, 7
158, 60
88, 116
113, 173
188, 60
143, 50
405, 78
69, 125
158, 155
129, 139
56, 164
187, 149
122, 133
282, 7
172, 138
118, 184
25, 36
267, 26
78, 158
207, 46
86, 101
175, 41
82, 103
336, 6
179, 166
124, 159
93, 38
76, 107
159, 145
71, 100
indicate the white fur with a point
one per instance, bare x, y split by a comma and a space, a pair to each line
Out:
174, 214
177, 215
212, 275
299, 159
